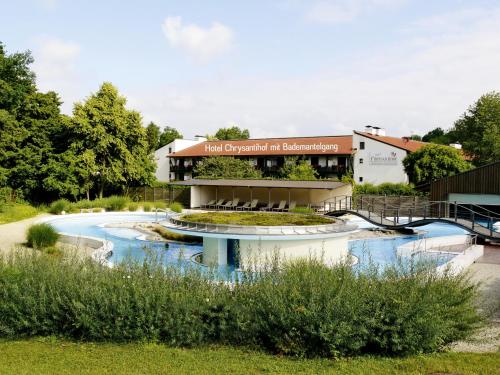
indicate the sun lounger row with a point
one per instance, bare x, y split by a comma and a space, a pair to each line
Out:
222, 204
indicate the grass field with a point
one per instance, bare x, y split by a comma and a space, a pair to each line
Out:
16, 211
61, 357
257, 218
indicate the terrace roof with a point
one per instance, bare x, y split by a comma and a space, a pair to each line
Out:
286, 184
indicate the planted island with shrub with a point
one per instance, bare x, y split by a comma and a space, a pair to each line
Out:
257, 218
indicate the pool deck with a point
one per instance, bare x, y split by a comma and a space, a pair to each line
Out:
14, 234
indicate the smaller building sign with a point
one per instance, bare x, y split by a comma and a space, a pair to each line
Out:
380, 158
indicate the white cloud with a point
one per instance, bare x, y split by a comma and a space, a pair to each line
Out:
343, 11
202, 44
55, 68
425, 81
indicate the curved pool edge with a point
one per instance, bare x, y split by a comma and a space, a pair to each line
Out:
103, 248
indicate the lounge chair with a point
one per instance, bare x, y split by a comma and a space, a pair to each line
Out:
291, 206
245, 206
269, 207
210, 203
253, 205
281, 206
230, 204
219, 204
234, 204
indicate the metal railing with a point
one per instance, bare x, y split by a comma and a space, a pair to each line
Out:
377, 209
262, 230
161, 210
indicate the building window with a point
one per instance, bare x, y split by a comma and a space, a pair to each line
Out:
361, 161
360, 179
361, 145
170, 150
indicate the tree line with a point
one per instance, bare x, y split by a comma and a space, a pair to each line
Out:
101, 148
477, 131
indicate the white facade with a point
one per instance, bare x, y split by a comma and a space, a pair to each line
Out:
162, 159
376, 162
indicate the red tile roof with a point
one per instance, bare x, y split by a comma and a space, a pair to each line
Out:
403, 143
332, 145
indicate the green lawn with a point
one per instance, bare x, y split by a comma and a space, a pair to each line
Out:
16, 212
61, 357
257, 218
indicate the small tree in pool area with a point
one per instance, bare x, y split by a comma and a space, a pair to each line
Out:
225, 167
434, 161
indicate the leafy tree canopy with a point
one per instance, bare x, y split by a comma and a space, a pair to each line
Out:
439, 136
225, 167
120, 151
17, 81
169, 135
232, 133
432, 162
298, 170
153, 136
478, 130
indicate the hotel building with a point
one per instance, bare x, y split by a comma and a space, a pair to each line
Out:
371, 155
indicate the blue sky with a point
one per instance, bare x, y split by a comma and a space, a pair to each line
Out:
279, 68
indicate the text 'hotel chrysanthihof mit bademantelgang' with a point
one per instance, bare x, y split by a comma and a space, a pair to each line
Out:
266, 146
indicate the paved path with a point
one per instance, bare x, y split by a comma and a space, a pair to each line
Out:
14, 233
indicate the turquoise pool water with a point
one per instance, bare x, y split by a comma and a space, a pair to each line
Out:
381, 251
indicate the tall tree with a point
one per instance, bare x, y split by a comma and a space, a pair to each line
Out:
17, 81
169, 135
30, 131
153, 136
478, 130
120, 156
232, 133
225, 167
433, 161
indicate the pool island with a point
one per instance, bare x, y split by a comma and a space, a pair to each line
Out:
253, 239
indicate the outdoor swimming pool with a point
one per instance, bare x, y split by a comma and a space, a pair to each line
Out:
381, 251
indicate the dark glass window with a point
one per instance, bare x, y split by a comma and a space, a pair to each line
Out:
361, 179
361, 161
361, 145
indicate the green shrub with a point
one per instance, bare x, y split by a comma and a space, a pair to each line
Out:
387, 188
59, 206
257, 218
301, 309
176, 207
147, 207
41, 236
161, 205
132, 206
302, 210
115, 203
15, 211
309, 309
